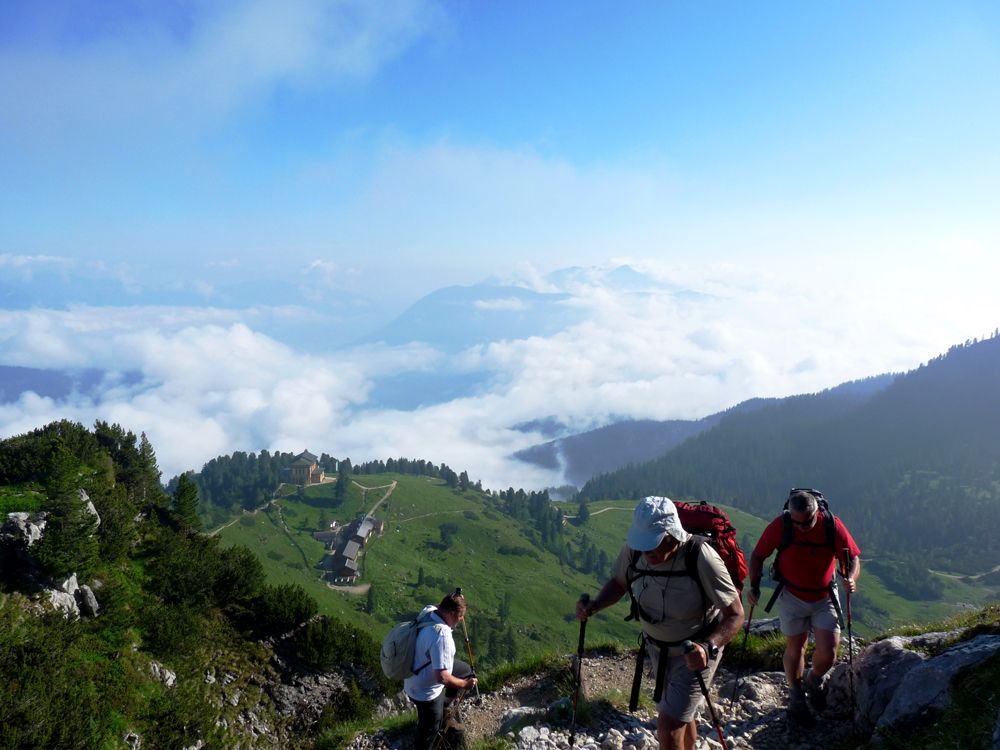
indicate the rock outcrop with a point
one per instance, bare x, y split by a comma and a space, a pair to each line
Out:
21, 530
926, 689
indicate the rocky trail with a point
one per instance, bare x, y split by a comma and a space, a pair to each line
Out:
897, 681
533, 713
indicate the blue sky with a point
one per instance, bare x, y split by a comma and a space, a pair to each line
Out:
372, 152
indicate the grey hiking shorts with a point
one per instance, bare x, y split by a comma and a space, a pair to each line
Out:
798, 616
682, 696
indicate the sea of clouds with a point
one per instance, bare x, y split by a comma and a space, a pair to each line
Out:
211, 381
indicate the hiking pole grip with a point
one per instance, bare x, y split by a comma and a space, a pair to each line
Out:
688, 648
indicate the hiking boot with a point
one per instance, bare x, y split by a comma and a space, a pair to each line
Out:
798, 710
815, 691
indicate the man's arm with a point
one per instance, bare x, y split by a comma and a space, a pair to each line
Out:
847, 543
852, 577
756, 571
609, 594
447, 679
732, 621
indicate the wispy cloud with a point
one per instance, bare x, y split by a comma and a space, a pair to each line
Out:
212, 384
141, 69
23, 267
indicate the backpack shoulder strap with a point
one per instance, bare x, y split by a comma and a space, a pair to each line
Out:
787, 531
632, 573
830, 522
421, 624
692, 553
691, 556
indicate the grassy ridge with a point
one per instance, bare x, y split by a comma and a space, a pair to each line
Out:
492, 556
542, 592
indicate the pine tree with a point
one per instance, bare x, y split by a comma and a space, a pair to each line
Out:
69, 543
186, 504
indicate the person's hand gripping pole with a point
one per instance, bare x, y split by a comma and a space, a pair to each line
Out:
688, 648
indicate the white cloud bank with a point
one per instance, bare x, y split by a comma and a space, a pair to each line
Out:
212, 385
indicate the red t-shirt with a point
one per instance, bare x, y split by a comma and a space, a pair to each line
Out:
806, 566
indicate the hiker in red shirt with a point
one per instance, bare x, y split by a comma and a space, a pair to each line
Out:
811, 544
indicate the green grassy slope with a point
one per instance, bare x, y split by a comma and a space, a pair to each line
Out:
492, 556
542, 593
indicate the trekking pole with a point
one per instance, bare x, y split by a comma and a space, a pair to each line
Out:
444, 720
472, 663
585, 598
741, 662
848, 567
688, 648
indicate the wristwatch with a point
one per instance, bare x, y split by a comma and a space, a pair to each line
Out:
710, 649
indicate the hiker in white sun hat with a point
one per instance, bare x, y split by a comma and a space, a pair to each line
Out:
681, 593
652, 518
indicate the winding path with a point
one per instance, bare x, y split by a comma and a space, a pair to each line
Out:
959, 576
598, 512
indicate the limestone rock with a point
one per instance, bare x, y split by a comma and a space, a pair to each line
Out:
764, 625
303, 698
65, 602
87, 601
88, 506
878, 672
22, 529
927, 687
162, 674
929, 640
514, 716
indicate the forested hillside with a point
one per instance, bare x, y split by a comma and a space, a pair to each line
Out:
914, 470
119, 619
589, 454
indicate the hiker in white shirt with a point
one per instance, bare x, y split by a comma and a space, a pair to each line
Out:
437, 673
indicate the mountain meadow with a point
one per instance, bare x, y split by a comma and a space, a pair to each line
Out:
207, 611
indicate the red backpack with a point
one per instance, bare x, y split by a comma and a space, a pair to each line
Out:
712, 522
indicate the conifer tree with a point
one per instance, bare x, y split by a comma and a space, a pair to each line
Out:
186, 503
69, 543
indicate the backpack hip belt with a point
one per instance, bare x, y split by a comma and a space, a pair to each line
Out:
661, 661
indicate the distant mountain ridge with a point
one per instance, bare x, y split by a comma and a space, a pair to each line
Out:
457, 317
914, 466
586, 455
